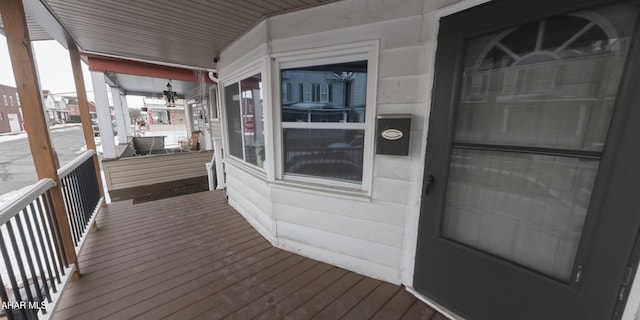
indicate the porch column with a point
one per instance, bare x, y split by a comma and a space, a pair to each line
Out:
85, 114
28, 85
188, 109
121, 122
104, 115
127, 116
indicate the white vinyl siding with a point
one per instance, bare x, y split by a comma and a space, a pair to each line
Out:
372, 232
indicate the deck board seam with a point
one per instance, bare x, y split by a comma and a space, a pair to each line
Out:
228, 285
361, 300
150, 277
315, 263
284, 284
150, 297
134, 251
250, 237
129, 242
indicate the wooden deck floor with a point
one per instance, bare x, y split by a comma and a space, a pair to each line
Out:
194, 257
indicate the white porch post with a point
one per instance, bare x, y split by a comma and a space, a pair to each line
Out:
127, 116
120, 120
188, 109
104, 115
217, 155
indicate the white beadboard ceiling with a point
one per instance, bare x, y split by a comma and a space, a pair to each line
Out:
188, 33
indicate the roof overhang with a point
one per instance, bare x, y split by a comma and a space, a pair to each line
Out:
147, 79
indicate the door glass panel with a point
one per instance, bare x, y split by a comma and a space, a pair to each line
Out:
547, 87
549, 84
525, 207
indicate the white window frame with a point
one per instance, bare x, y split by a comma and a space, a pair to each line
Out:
366, 50
544, 79
247, 71
510, 83
476, 84
286, 91
324, 93
307, 92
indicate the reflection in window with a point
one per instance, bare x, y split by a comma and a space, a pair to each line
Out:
251, 89
510, 82
548, 85
234, 122
546, 80
327, 93
323, 122
527, 208
476, 85
335, 154
286, 91
543, 79
245, 123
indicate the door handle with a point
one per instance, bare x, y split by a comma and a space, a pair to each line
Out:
427, 184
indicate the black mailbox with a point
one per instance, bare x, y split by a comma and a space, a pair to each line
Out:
392, 136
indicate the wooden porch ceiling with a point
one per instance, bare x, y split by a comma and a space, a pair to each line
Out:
187, 33
194, 257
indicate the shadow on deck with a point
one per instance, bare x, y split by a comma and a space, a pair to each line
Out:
193, 256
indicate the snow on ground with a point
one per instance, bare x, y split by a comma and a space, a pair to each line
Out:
11, 137
23, 134
6, 198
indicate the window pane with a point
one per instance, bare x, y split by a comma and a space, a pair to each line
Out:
527, 208
251, 89
327, 93
335, 154
550, 84
234, 127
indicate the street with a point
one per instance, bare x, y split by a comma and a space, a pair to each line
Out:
16, 165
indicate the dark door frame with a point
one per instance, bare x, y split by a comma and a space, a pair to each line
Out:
620, 152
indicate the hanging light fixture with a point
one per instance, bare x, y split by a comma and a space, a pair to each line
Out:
170, 95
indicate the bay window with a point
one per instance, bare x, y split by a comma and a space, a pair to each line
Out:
245, 123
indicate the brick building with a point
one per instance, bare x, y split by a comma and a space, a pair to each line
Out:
10, 114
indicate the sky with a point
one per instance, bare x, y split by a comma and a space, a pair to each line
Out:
54, 69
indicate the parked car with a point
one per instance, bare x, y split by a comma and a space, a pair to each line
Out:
325, 166
96, 127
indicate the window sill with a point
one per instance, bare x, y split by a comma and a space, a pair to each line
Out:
315, 188
246, 167
323, 190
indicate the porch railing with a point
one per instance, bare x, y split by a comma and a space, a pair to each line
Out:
34, 263
81, 195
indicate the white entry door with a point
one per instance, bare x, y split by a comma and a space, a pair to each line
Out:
14, 123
